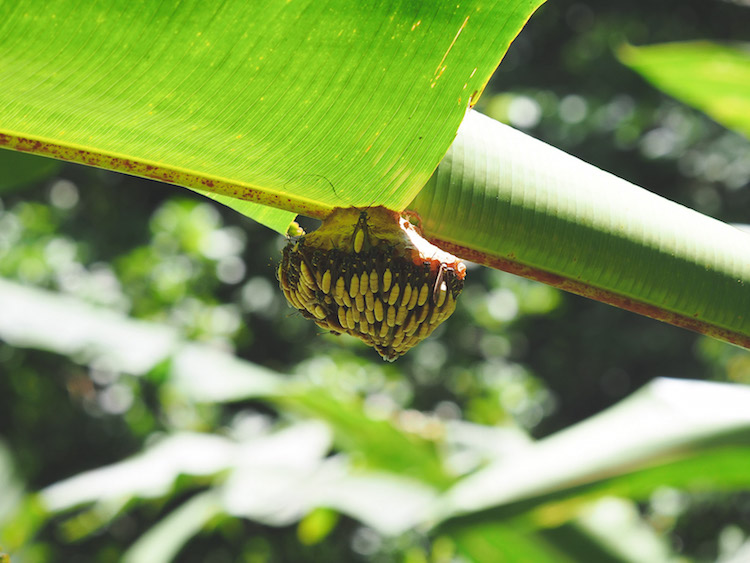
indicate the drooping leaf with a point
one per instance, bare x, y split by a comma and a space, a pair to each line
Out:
42, 319
37, 318
504, 199
150, 474
665, 434
300, 105
711, 77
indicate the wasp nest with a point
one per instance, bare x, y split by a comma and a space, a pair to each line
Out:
370, 274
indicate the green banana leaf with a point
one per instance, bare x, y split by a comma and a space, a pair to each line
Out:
711, 77
301, 105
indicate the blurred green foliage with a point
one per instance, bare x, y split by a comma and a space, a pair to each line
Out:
517, 360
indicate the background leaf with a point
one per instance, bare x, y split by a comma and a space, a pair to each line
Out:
711, 77
164, 540
18, 169
375, 444
666, 418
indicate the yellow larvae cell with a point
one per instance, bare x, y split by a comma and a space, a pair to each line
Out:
359, 240
391, 316
378, 310
355, 314
304, 293
292, 298
398, 338
411, 325
370, 316
369, 301
364, 283
346, 299
342, 317
325, 283
340, 287
424, 293
393, 297
413, 301
401, 314
319, 312
307, 275
406, 295
384, 328
350, 319
354, 286
300, 302
387, 279
374, 281
359, 302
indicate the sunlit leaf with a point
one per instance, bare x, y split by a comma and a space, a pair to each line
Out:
147, 475
301, 105
65, 325
37, 318
282, 493
630, 449
207, 375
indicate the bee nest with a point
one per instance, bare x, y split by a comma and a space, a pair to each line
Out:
371, 274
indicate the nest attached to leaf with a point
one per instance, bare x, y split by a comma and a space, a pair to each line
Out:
369, 273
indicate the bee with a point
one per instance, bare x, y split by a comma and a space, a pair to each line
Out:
370, 274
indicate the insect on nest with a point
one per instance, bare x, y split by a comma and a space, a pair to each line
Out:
372, 275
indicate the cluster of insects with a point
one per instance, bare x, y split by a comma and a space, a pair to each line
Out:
370, 274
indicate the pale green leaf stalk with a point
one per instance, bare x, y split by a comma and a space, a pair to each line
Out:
506, 200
